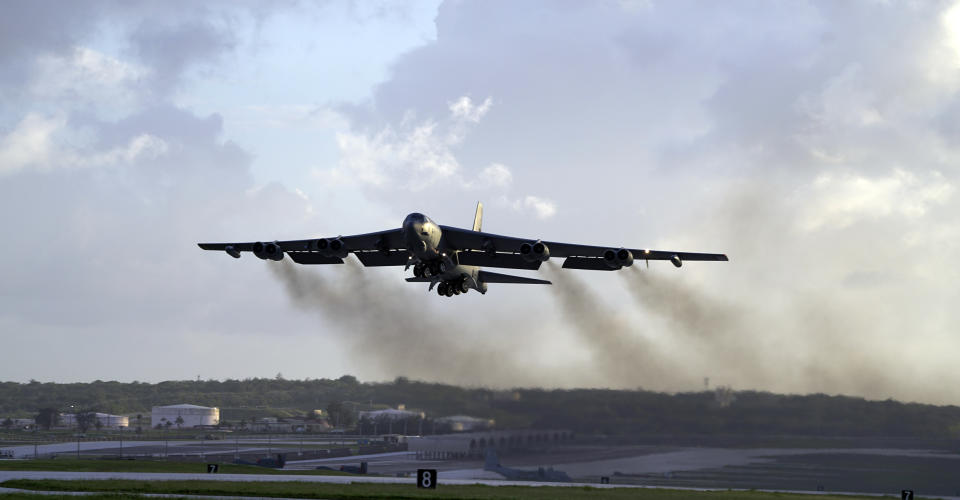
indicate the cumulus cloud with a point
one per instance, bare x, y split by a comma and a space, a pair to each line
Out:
416, 154
542, 208
33, 144
463, 108
496, 175
837, 201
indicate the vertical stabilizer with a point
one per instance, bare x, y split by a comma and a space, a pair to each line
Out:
478, 219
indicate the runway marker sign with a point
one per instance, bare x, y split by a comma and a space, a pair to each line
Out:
213, 468
427, 478
906, 494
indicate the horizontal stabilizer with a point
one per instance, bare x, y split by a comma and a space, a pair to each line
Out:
504, 260
313, 258
377, 259
591, 263
418, 280
488, 277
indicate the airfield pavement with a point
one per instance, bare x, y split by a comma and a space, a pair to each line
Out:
859, 470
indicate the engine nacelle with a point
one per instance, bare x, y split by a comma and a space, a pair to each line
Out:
331, 247
675, 259
536, 251
610, 259
232, 251
625, 257
258, 250
272, 251
338, 248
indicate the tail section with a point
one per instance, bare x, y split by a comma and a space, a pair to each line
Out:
478, 219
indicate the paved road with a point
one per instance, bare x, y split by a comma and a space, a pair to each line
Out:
169, 476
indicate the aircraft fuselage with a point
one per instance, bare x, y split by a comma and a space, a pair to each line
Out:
424, 241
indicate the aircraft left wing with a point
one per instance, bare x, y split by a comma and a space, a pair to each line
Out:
378, 248
578, 256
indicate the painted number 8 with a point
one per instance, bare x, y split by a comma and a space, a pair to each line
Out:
427, 479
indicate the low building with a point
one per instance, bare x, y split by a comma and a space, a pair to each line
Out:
461, 423
475, 444
189, 415
390, 414
270, 424
103, 421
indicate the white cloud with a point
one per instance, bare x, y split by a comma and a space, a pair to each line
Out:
33, 145
951, 24
497, 175
84, 76
29, 143
542, 208
838, 201
463, 108
415, 156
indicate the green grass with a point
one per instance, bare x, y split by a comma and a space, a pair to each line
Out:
396, 491
95, 465
45, 496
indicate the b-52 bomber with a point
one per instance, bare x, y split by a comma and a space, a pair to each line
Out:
450, 258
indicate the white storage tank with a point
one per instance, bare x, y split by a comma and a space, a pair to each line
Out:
191, 415
105, 421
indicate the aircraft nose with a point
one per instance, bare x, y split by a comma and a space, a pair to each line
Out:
414, 223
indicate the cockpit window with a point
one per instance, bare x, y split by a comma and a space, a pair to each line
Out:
415, 218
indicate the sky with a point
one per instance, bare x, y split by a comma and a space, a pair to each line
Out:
816, 143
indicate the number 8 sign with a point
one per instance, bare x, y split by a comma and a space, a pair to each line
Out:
427, 478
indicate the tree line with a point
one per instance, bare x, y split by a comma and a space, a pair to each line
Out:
590, 411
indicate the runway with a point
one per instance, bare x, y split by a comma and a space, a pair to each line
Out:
58, 475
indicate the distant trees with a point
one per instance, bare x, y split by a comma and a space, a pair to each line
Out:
341, 415
584, 411
47, 417
179, 421
7, 423
85, 419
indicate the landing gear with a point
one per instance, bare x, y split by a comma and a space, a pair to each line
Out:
453, 287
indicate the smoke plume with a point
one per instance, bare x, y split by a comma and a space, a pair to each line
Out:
623, 353
400, 334
808, 346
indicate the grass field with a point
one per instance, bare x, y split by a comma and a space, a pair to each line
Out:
395, 491
96, 465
